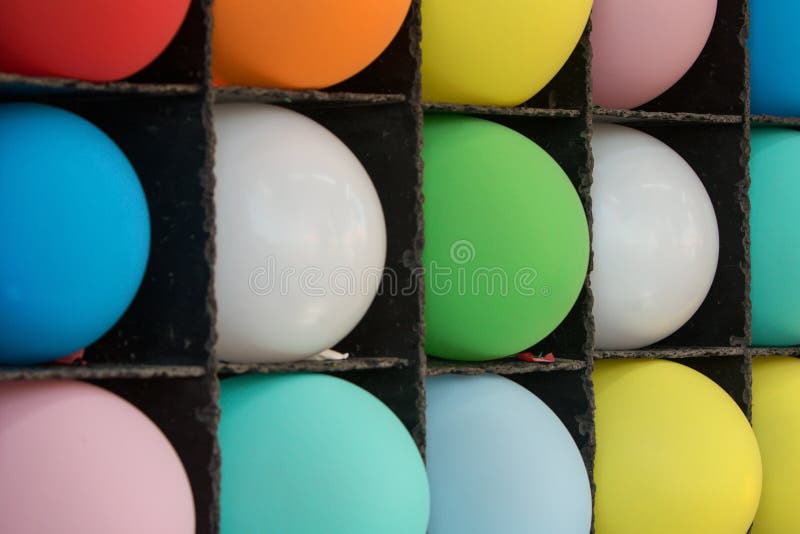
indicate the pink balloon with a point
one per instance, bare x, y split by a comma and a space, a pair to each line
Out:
77, 459
643, 47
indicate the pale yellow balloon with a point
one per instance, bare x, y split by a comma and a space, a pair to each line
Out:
776, 421
675, 454
496, 53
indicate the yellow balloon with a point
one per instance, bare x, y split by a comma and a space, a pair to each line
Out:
675, 454
496, 53
776, 421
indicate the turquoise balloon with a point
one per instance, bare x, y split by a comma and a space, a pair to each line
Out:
775, 236
308, 453
501, 462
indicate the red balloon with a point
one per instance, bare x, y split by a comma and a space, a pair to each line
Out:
94, 40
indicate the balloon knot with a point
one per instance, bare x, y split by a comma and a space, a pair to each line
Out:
533, 358
330, 354
76, 358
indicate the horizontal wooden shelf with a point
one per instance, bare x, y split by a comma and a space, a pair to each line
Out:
13, 84
101, 371
520, 111
671, 353
601, 114
772, 120
438, 366
284, 96
774, 351
314, 366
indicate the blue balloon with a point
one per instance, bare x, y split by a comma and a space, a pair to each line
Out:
74, 233
774, 57
500, 461
307, 453
775, 236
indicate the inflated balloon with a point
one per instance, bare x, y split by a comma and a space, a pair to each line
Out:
774, 57
93, 40
776, 422
775, 236
313, 453
656, 241
488, 53
301, 240
300, 44
499, 460
641, 48
674, 452
77, 459
76, 233
506, 240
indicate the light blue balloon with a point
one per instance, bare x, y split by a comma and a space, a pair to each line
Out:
501, 462
774, 57
775, 236
74, 233
314, 454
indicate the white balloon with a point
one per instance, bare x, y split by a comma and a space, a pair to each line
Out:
300, 237
656, 241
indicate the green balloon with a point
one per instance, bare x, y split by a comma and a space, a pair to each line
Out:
506, 240
308, 453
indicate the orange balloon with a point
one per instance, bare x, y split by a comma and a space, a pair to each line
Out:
300, 44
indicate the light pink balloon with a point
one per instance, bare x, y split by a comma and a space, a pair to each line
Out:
77, 459
643, 47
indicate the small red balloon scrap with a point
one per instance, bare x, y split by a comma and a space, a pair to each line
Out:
533, 358
76, 358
